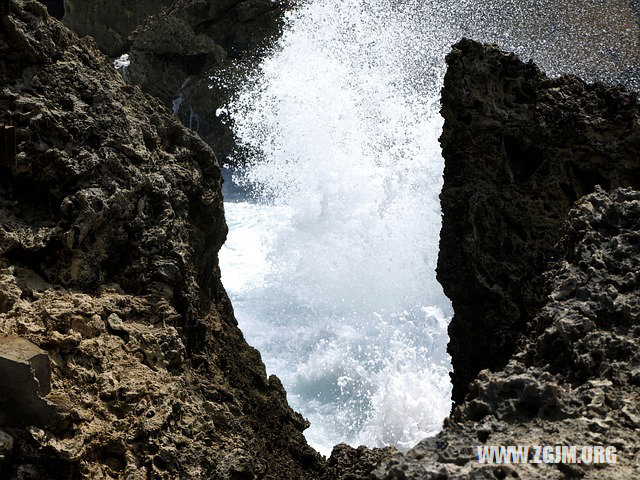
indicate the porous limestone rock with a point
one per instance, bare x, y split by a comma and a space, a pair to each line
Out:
111, 218
520, 148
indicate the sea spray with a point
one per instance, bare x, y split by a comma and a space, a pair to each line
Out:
330, 264
343, 302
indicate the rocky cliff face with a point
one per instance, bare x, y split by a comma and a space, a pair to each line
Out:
575, 379
110, 295
111, 220
110, 23
520, 148
540, 252
176, 47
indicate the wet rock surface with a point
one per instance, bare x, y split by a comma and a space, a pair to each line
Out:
188, 53
111, 217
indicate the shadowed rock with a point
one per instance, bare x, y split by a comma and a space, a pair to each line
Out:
520, 148
542, 266
176, 46
25, 377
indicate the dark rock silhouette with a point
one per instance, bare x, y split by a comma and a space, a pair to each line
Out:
520, 148
541, 264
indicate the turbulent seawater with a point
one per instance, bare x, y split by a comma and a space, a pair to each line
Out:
330, 260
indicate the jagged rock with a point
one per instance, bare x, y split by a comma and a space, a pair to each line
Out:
519, 149
9, 291
566, 384
522, 152
111, 218
109, 22
176, 47
348, 463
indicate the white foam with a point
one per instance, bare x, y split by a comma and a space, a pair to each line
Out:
331, 271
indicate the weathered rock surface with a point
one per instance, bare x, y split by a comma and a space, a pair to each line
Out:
520, 148
540, 254
110, 22
175, 47
575, 379
111, 217
348, 463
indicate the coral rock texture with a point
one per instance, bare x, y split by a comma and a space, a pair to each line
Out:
111, 218
520, 148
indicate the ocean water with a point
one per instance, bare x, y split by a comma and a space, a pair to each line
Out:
334, 222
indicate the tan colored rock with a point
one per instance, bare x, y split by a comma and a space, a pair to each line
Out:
110, 225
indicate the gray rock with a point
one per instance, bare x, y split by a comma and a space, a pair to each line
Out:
109, 22
25, 375
520, 148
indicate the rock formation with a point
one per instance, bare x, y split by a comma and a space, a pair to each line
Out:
540, 254
575, 379
111, 217
110, 23
176, 47
520, 148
